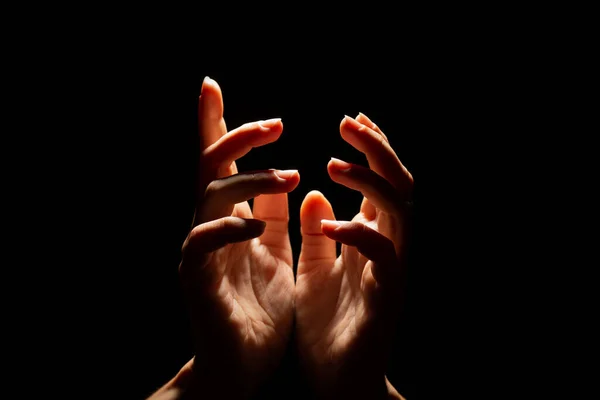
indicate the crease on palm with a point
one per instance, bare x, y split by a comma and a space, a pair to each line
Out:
344, 317
244, 279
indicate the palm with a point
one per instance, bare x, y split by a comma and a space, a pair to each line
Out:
254, 291
251, 294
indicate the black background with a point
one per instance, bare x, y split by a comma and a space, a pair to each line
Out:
311, 95
311, 99
449, 100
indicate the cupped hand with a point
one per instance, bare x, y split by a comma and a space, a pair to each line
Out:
346, 305
236, 269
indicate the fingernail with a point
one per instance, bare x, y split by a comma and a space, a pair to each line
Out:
285, 174
353, 124
270, 123
204, 82
327, 223
339, 165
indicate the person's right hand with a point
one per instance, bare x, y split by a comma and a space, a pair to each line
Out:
346, 305
236, 268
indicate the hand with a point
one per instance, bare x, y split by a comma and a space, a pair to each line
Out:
236, 268
346, 306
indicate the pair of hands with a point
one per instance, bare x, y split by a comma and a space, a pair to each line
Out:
237, 265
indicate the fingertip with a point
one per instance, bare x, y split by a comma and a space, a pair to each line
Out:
328, 225
264, 131
294, 180
314, 194
255, 227
331, 168
349, 128
270, 125
349, 122
366, 121
210, 100
242, 223
344, 121
208, 84
314, 208
337, 165
363, 116
285, 174
260, 223
314, 200
289, 177
262, 136
205, 82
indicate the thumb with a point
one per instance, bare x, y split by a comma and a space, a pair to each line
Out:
317, 248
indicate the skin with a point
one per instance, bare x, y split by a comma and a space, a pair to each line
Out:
236, 269
346, 305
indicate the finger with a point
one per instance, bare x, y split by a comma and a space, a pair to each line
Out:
237, 143
363, 119
210, 113
273, 209
213, 235
223, 194
370, 243
366, 207
382, 158
317, 249
375, 188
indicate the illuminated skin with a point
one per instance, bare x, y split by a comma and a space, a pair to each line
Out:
346, 305
236, 267
237, 275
